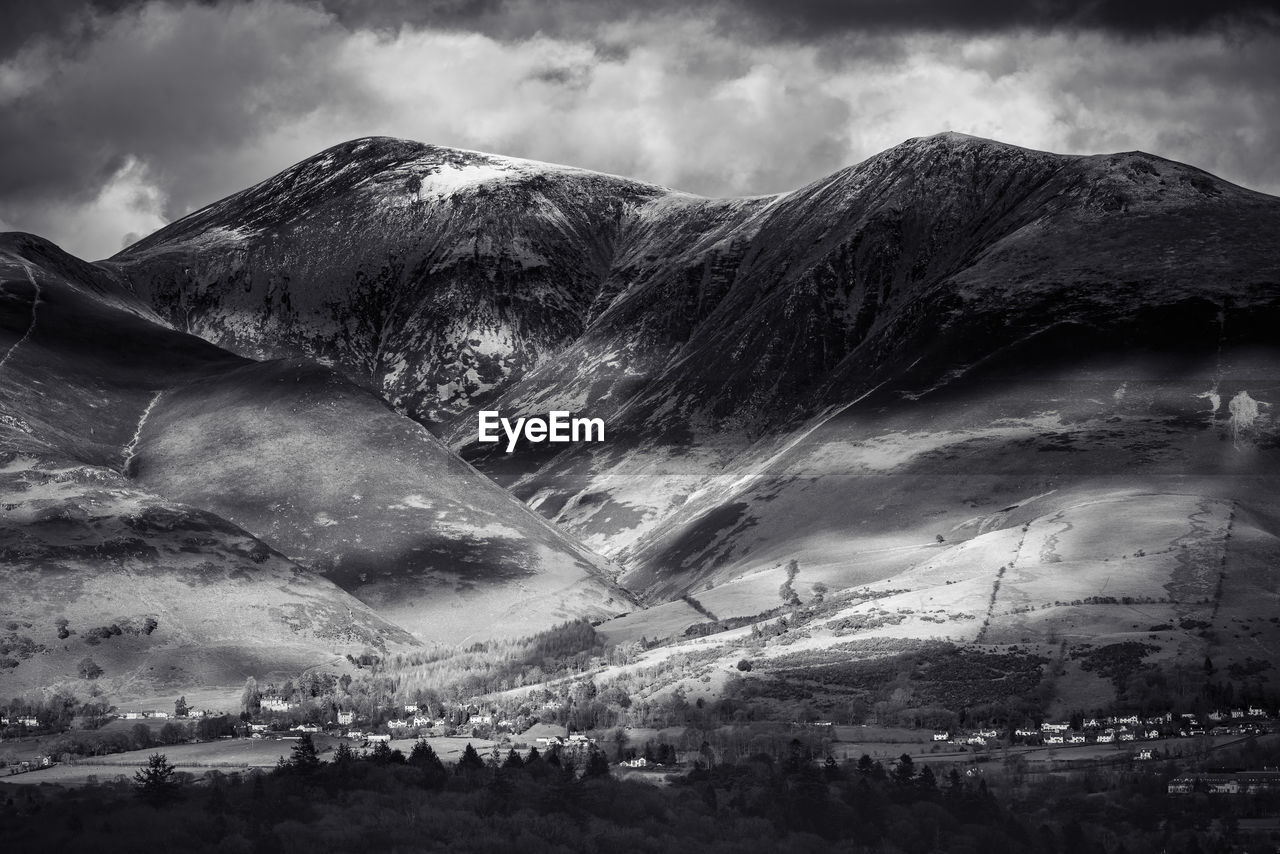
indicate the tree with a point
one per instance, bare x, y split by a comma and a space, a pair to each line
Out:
926, 782
432, 769
744, 666
344, 755
142, 735
597, 765
154, 782
250, 698
305, 759
180, 708
513, 760
89, 669
905, 770
470, 760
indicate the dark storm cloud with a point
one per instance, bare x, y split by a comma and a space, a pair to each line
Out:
816, 18
120, 116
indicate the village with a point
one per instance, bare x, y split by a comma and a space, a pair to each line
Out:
279, 719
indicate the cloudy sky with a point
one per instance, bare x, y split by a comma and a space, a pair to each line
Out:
121, 116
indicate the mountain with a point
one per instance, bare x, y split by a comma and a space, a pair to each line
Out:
431, 275
959, 370
269, 515
711, 334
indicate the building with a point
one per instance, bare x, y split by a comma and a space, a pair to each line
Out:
374, 738
275, 704
346, 718
942, 736
1233, 783
1214, 784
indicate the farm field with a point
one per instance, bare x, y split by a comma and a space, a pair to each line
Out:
228, 755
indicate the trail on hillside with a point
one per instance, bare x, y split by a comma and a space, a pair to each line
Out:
131, 449
35, 307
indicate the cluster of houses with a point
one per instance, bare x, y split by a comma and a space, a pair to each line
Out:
28, 721
157, 714
415, 721
1121, 728
574, 740
24, 765
1227, 783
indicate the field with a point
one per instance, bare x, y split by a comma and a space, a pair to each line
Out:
228, 755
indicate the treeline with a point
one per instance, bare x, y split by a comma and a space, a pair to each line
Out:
385, 800
54, 712
78, 744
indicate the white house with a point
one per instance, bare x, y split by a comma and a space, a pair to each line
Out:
346, 718
276, 704
374, 738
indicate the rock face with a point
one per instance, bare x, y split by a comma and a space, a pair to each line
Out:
269, 514
946, 297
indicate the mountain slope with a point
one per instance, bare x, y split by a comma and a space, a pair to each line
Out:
777, 374
431, 275
280, 490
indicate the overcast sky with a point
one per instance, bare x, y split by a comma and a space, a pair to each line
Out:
117, 117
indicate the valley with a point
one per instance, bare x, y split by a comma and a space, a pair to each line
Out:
962, 399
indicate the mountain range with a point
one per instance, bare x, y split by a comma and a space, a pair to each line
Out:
1005, 382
